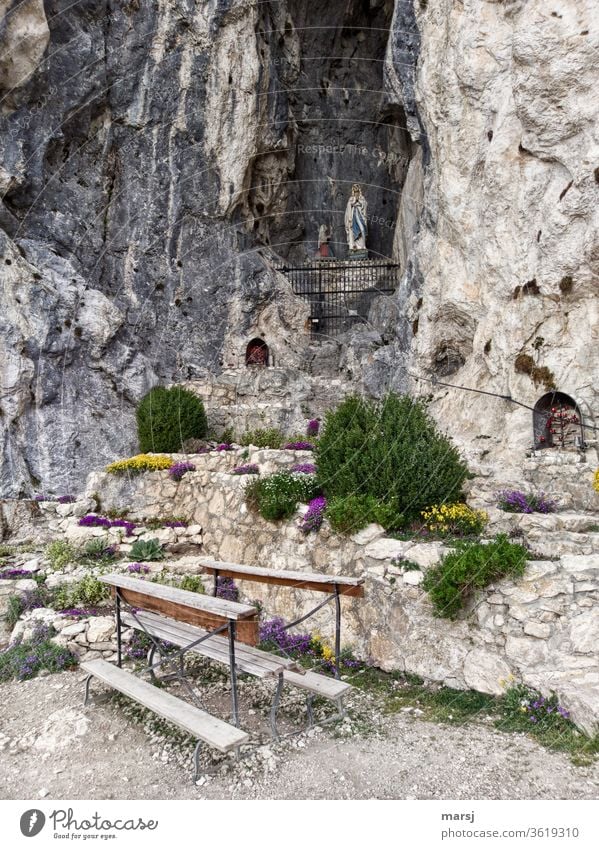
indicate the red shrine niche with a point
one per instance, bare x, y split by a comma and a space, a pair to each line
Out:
256, 353
557, 422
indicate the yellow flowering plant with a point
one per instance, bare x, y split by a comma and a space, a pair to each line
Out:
454, 520
596, 481
140, 463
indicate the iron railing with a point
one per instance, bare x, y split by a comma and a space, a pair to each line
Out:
339, 293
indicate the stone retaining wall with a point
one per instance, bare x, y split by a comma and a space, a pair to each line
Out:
543, 629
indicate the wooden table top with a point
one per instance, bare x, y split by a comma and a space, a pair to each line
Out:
218, 607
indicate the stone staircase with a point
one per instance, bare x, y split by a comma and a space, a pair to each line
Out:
566, 478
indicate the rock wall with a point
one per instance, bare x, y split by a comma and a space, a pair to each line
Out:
506, 258
542, 629
154, 160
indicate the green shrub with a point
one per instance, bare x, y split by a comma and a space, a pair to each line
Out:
88, 592
14, 609
390, 450
469, 567
99, 550
60, 552
277, 496
25, 660
263, 438
147, 549
191, 583
227, 436
167, 417
352, 513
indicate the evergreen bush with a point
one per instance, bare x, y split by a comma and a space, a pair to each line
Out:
168, 417
469, 567
390, 450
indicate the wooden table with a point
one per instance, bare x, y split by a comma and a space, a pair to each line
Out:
215, 615
335, 585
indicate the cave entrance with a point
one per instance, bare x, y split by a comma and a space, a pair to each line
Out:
257, 353
557, 422
348, 131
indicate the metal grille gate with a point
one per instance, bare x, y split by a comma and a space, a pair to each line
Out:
340, 293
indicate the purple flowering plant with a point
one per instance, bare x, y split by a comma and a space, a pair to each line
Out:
92, 520
248, 469
275, 636
227, 588
7, 574
515, 501
313, 428
224, 446
312, 520
23, 660
299, 446
138, 568
303, 469
66, 499
177, 470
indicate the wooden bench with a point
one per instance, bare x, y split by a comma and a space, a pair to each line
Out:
248, 659
335, 585
215, 615
201, 725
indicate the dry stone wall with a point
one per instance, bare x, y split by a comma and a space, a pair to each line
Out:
543, 629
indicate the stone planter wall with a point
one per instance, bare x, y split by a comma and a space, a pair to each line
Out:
543, 630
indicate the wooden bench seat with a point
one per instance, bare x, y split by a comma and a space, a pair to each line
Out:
247, 658
201, 725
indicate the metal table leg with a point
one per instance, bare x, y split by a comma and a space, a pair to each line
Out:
337, 631
196, 760
234, 705
87, 683
119, 646
275, 707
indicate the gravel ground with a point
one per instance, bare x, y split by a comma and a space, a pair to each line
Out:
50, 746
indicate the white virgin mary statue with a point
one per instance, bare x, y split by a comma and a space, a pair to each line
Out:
355, 220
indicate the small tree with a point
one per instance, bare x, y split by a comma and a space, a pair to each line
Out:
390, 450
167, 417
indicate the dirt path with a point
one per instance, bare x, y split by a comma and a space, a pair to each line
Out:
51, 746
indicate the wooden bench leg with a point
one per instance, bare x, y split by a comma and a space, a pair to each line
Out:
275, 707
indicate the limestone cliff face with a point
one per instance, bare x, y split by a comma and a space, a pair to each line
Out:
508, 248
151, 155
